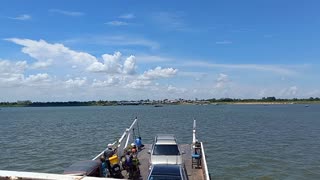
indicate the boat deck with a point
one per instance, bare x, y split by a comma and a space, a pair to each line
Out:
193, 173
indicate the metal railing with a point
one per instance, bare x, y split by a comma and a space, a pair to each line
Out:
205, 166
123, 142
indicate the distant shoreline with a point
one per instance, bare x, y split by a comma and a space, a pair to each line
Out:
270, 103
91, 103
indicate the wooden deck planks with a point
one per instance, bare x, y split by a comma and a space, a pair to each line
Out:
193, 173
144, 157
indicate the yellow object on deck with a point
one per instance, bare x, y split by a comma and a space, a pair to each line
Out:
114, 160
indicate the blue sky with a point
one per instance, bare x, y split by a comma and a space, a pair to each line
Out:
130, 50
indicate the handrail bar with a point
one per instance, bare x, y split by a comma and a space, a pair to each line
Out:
118, 143
205, 166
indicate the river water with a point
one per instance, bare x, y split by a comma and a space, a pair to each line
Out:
241, 141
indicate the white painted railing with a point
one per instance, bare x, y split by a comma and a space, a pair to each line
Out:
194, 138
123, 142
204, 164
194, 141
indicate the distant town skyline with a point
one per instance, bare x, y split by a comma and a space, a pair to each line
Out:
111, 50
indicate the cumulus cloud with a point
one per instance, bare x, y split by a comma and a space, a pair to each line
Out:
45, 52
173, 89
12, 68
159, 72
111, 81
112, 64
12, 74
8, 80
48, 54
81, 70
77, 82
139, 84
41, 64
37, 78
129, 66
146, 79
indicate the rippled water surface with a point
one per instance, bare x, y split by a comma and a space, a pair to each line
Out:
241, 141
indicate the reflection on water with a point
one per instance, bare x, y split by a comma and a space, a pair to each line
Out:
241, 141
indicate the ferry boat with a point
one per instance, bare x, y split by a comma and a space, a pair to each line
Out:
190, 161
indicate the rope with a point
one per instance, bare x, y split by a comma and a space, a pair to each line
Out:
134, 134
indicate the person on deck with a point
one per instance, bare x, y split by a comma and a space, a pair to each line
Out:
103, 166
138, 143
109, 152
135, 166
133, 148
128, 164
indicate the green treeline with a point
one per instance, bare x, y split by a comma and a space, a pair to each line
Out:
165, 101
52, 104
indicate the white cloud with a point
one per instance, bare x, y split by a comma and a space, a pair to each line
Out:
9, 80
12, 74
12, 68
46, 52
139, 84
111, 81
22, 17
37, 78
172, 89
127, 16
120, 77
117, 23
222, 81
77, 82
112, 65
159, 72
146, 79
129, 66
42, 64
112, 62
67, 13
